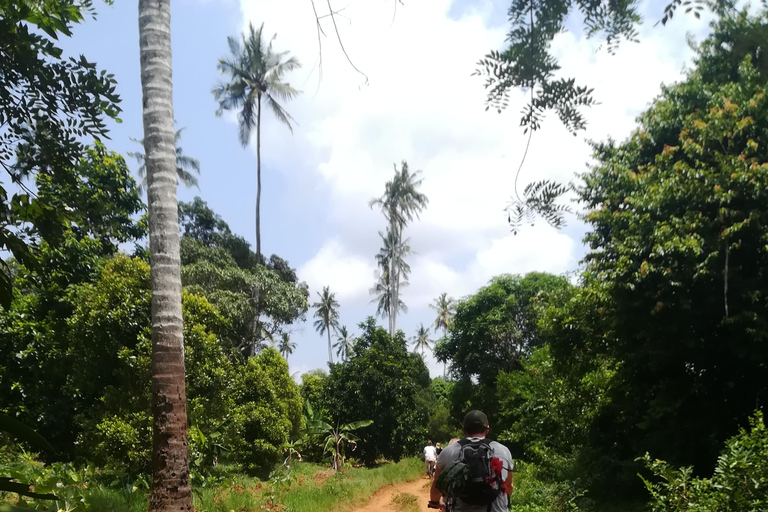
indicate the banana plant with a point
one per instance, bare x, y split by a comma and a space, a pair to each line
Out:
336, 436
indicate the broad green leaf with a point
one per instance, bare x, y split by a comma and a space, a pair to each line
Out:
22, 432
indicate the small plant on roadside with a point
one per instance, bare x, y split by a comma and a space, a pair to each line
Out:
405, 502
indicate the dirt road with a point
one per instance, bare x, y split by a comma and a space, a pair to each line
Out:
381, 501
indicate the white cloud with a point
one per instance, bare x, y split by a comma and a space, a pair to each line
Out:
348, 275
423, 105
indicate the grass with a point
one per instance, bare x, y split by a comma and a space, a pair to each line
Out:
307, 488
351, 488
405, 502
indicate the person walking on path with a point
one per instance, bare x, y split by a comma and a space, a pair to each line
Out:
470, 455
430, 457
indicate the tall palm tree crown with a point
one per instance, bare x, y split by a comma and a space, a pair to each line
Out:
445, 307
401, 203
345, 342
256, 73
327, 315
421, 340
185, 165
286, 346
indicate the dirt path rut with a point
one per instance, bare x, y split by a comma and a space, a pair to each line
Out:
381, 501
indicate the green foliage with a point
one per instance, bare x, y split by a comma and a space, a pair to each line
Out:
547, 414
47, 485
256, 72
335, 437
221, 266
435, 399
678, 222
382, 381
534, 493
104, 195
268, 412
97, 364
527, 61
738, 483
49, 105
492, 331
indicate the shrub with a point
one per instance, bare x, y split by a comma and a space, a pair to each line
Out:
738, 484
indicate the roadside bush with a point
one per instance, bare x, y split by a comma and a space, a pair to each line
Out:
739, 482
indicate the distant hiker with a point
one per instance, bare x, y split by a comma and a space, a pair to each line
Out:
430, 457
475, 473
438, 450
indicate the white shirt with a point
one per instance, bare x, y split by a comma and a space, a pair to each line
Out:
430, 453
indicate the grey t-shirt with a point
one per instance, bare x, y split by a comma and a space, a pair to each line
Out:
451, 453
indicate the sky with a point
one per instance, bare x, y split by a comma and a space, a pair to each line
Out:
417, 102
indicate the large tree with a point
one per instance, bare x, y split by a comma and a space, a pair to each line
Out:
677, 217
256, 73
171, 490
327, 314
493, 330
401, 203
381, 381
51, 106
35, 326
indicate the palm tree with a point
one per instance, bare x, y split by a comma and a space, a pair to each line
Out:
344, 343
256, 73
286, 346
170, 455
400, 204
185, 165
421, 340
382, 293
445, 307
327, 316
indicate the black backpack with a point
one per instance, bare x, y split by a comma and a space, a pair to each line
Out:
470, 478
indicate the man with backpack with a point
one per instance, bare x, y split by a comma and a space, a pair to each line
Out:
475, 473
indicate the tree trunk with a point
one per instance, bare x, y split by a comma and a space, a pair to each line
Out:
393, 282
330, 348
337, 458
258, 178
170, 456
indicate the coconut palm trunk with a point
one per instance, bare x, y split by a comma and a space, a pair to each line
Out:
170, 456
330, 349
258, 177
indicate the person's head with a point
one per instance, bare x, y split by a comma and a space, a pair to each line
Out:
437, 445
475, 424
429, 443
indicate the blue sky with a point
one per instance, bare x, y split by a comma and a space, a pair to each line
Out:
420, 104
